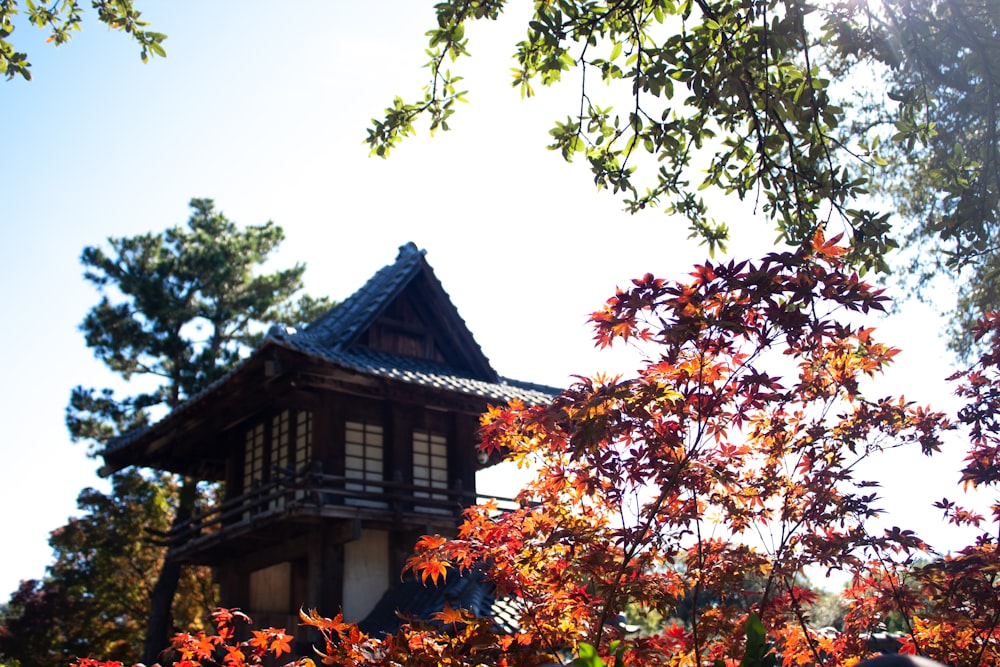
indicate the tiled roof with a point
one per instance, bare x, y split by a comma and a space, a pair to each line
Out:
471, 590
412, 600
331, 336
417, 371
342, 324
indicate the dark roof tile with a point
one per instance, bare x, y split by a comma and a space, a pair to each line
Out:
342, 324
422, 372
412, 600
331, 338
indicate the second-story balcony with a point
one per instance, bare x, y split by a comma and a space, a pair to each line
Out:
293, 502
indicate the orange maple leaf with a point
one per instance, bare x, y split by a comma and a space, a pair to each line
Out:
313, 618
432, 569
273, 640
234, 656
826, 248
259, 639
428, 542
449, 615
280, 642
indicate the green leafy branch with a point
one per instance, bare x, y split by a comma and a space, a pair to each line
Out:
447, 43
63, 17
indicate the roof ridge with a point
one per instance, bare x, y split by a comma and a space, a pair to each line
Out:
341, 325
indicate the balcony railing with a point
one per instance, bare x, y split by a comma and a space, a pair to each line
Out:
309, 493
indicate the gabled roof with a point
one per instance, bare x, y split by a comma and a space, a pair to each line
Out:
336, 338
341, 328
343, 324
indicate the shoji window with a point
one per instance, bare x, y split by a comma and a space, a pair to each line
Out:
274, 447
303, 439
430, 469
363, 461
253, 457
280, 437
253, 462
303, 445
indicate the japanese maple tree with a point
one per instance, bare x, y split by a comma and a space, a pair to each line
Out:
950, 606
707, 481
729, 458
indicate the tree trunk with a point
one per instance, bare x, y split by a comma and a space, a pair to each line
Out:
162, 598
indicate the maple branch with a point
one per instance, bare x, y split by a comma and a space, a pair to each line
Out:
803, 625
697, 591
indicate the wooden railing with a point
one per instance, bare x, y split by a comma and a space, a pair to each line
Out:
309, 492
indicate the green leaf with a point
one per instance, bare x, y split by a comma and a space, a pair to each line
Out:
587, 656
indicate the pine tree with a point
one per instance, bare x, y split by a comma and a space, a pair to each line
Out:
179, 307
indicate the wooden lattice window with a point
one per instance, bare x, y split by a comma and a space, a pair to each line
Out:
303, 445
274, 448
279, 439
253, 457
303, 439
253, 463
430, 468
278, 458
363, 461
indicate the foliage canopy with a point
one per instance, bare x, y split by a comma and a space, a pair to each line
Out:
95, 597
803, 108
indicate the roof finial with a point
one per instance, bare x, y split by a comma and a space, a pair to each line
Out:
409, 248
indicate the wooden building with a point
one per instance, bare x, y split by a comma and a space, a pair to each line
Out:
337, 446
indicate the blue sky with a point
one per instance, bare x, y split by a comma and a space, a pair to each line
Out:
264, 109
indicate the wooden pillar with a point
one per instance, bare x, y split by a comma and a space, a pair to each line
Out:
404, 420
400, 549
324, 428
464, 438
234, 586
389, 416
325, 570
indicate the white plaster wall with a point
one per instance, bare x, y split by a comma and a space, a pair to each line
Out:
366, 573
